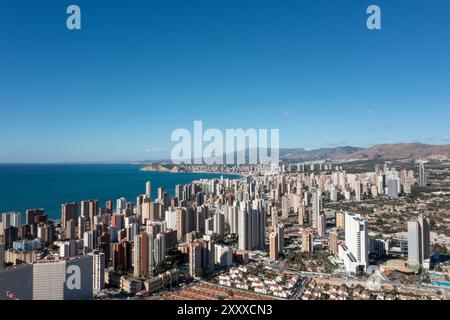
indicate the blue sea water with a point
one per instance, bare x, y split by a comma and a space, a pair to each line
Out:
47, 186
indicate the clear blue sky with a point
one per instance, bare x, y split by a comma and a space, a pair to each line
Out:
137, 70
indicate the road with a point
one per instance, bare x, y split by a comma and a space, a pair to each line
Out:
353, 280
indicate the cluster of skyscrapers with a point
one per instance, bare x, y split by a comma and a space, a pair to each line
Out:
133, 239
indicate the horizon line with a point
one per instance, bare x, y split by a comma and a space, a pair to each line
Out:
163, 160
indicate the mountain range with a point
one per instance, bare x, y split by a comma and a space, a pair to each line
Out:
400, 151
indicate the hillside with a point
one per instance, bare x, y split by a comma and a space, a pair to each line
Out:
416, 151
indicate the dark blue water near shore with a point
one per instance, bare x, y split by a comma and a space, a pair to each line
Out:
46, 186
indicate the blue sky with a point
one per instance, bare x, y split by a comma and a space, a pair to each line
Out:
137, 70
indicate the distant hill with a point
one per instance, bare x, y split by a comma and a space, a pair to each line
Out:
400, 151
163, 168
414, 151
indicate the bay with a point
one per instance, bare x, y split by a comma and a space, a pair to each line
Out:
25, 186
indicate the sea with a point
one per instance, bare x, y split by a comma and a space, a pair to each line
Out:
26, 186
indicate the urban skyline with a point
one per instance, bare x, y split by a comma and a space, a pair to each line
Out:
224, 150
306, 222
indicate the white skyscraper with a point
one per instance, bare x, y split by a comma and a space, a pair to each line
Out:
252, 221
393, 187
418, 241
11, 219
223, 255
132, 230
121, 205
242, 229
219, 224
358, 195
68, 249
148, 189
380, 184
233, 213
316, 206
280, 237
89, 241
322, 225
422, 175
159, 248
171, 219
98, 270
355, 251
333, 194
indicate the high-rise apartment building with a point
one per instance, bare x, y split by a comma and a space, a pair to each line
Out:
143, 255
89, 209
98, 270
333, 194
333, 241
273, 246
70, 230
69, 249
301, 214
160, 248
355, 251
185, 222
252, 226
358, 194
219, 224
46, 233
89, 241
11, 219
422, 175
316, 206
69, 211
233, 213
33, 216
109, 206
307, 241
81, 227
285, 207
340, 220
223, 255
280, 234
418, 241
201, 257
393, 187
148, 190
121, 205
122, 256
322, 225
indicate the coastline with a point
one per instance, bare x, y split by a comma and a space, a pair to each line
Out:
46, 185
162, 169
241, 175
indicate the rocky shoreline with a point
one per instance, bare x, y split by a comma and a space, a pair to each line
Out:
179, 169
